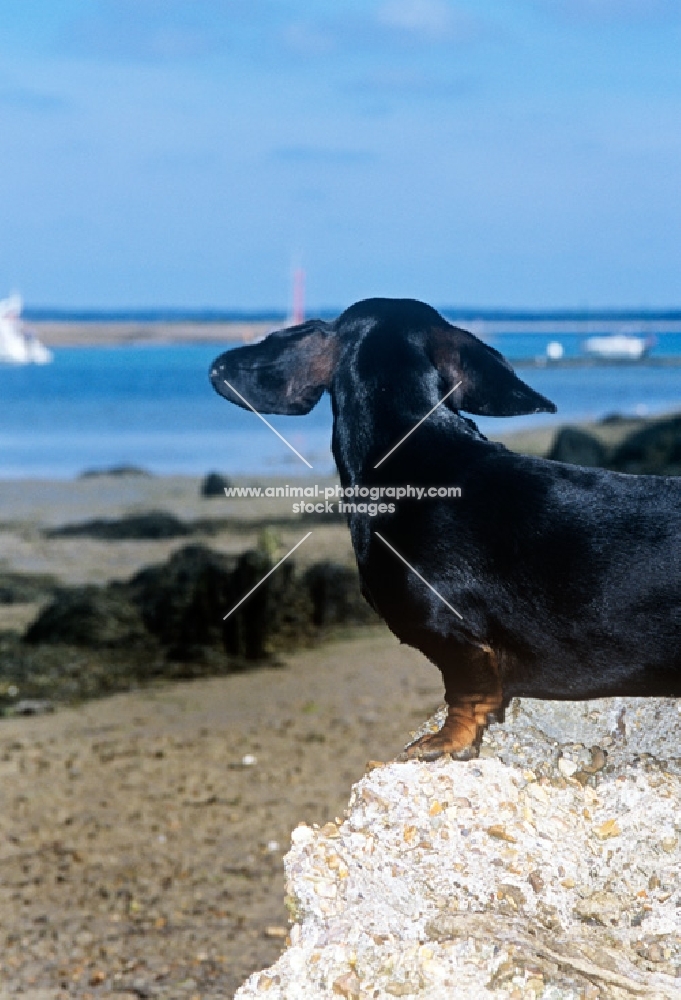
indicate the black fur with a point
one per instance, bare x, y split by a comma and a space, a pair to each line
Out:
570, 576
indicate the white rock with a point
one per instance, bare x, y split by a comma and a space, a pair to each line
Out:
567, 767
526, 885
302, 834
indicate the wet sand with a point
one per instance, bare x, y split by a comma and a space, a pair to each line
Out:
141, 854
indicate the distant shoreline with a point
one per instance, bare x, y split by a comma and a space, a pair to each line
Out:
89, 331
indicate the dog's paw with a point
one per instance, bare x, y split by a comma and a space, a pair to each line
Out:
436, 745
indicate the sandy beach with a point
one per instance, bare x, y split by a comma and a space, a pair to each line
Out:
140, 856
75, 333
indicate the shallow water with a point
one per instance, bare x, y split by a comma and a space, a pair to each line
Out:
152, 406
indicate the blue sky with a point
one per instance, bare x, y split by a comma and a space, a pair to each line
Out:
191, 153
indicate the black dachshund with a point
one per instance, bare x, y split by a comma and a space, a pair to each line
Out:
542, 579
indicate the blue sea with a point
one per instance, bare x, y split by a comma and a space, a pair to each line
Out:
152, 406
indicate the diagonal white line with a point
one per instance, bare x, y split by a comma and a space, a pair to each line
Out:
237, 393
253, 589
402, 440
430, 587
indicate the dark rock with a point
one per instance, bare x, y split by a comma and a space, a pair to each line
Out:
182, 601
181, 605
277, 616
115, 470
653, 450
168, 622
214, 485
153, 525
88, 616
22, 588
336, 596
576, 447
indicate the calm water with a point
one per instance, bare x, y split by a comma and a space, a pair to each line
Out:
153, 406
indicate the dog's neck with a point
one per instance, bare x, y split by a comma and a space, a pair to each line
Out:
382, 390
378, 429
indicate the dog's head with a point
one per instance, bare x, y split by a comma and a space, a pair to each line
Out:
289, 370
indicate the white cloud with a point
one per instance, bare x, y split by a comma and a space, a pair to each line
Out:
433, 18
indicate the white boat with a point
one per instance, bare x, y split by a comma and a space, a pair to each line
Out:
19, 346
618, 346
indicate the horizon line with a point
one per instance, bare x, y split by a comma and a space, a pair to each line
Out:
150, 314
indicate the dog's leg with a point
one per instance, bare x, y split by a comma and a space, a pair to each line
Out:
467, 715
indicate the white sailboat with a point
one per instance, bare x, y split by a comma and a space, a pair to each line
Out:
621, 346
17, 345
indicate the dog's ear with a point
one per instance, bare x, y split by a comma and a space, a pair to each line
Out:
489, 386
287, 372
